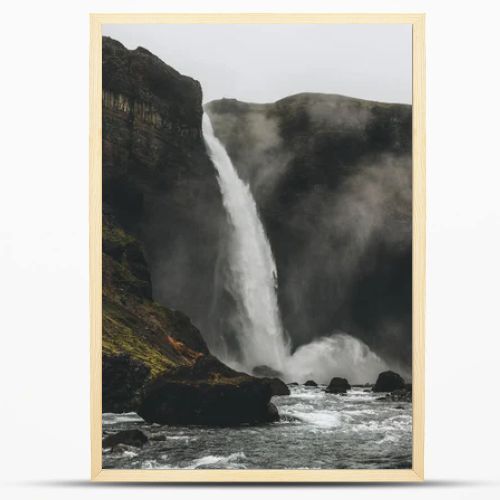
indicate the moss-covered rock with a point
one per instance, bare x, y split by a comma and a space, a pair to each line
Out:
133, 324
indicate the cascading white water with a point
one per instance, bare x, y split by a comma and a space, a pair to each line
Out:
253, 276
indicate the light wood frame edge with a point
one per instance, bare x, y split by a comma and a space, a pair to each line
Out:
419, 251
95, 242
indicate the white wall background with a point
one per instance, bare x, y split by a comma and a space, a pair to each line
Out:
44, 451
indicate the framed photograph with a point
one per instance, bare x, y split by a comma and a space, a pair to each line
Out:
257, 247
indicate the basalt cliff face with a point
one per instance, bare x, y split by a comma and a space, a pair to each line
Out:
331, 176
162, 217
157, 178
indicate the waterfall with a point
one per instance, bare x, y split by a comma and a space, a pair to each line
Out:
252, 282
252, 271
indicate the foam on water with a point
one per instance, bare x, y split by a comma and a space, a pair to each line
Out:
180, 438
215, 459
318, 419
115, 418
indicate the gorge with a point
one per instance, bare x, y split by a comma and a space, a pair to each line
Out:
330, 178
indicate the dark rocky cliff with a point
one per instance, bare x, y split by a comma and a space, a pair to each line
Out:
157, 179
162, 218
332, 179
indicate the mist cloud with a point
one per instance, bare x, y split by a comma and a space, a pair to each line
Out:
337, 355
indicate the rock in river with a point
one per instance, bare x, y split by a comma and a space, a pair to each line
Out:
311, 383
133, 437
278, 387
338, 385
388, 381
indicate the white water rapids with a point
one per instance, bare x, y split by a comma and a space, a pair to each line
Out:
253, 282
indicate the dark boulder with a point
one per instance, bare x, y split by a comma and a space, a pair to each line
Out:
133, 437
278, 387
266, 371
293, 383
207, 393
388, 381
122, 382
272, 413
311, 383
338, 385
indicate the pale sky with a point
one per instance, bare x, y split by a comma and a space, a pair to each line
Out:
264, 63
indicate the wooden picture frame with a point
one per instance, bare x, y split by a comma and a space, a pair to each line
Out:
418, 256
